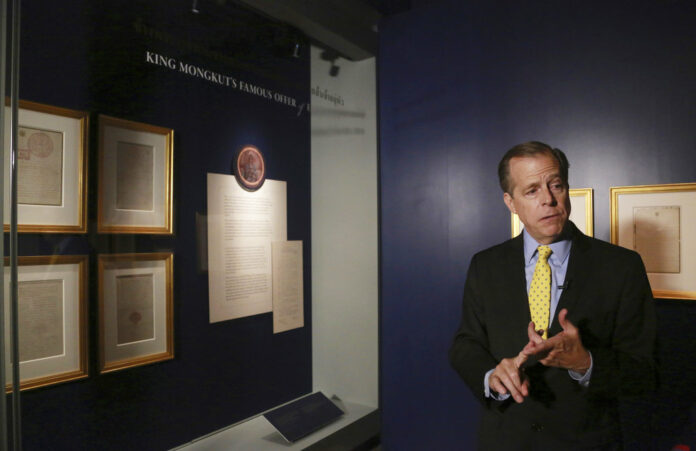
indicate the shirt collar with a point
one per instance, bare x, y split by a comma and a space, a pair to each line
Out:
561, 249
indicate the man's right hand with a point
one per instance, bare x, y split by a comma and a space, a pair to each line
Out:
508, 377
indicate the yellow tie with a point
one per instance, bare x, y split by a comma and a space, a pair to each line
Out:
540, 292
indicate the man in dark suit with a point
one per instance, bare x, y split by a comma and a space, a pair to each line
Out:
554, 384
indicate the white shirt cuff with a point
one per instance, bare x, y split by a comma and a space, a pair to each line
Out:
583, 379
492, 393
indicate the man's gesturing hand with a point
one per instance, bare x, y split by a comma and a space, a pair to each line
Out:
509, 378
563, 350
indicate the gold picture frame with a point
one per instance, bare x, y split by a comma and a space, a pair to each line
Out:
136, 162
657, 222
136, 314
51, 169
581, 212
54, 289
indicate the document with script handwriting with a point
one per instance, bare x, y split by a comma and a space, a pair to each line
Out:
135, 182
40, 319
241, 227
288, 308
657, 237
135, 308
39, 167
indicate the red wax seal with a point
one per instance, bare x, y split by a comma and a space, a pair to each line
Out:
40, 144
135, 317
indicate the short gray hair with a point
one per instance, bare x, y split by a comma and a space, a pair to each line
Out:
529, 149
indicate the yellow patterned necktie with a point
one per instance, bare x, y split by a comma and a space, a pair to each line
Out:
540, 292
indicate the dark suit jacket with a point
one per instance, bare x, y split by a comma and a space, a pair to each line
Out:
608, 298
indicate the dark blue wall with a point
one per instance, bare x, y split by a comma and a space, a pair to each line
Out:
90, 55
611, 83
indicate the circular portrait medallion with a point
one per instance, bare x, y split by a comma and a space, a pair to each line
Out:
249, 168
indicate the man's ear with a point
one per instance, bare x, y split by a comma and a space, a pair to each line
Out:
507, 198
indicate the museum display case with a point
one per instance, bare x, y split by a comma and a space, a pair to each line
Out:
191, 221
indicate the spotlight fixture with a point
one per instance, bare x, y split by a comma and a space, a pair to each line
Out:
194, 7
331, 56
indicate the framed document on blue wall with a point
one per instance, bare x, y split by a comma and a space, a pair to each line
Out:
52, 313
51, 169
136, 325
657, 221
135, 177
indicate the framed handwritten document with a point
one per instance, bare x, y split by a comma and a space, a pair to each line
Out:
581, 212
51, 169
52, 313
135, 177
136, 324
657, 221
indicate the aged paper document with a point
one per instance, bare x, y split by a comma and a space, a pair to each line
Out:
40, 319
288, 307
135, 308
135, 183
241, 227
39, 167
657, 237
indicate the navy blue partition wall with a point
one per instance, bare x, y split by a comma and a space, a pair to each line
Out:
124, 59
611, 83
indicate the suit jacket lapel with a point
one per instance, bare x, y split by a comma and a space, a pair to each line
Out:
518, 301
576, 275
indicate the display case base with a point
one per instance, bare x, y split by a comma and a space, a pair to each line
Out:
359, 425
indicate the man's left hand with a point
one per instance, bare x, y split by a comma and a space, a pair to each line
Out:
563, 350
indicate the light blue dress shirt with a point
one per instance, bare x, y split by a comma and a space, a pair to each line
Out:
558, 261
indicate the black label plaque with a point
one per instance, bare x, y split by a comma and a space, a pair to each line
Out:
304, 416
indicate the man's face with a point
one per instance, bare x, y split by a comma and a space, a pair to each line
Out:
539, 196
